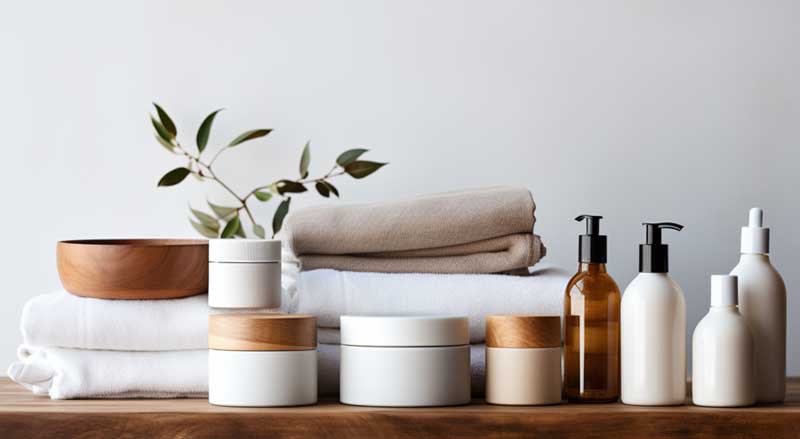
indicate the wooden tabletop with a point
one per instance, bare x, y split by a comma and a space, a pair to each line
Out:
25, 415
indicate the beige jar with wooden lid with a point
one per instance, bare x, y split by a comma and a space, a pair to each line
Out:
262, 360
523, 360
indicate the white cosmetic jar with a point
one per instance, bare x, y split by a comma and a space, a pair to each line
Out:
262, 360
523, 360
404, 361
244, 273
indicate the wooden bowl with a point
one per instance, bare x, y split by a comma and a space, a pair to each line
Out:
133, 268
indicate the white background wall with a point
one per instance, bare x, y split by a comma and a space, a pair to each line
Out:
636, 110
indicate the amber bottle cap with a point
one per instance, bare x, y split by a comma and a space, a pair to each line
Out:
262, 332
511, 331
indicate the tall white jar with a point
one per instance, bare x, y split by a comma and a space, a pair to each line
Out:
244, 273
723, 369
262, 360
404, 361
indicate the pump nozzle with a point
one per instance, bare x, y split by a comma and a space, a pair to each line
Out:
592, 245
592, 223
653, 231
653, 254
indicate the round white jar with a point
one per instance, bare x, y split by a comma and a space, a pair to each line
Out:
244, 273
405, 361
262, 360
523, 360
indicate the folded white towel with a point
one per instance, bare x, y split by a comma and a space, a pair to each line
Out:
76, 373
63, 320
329, 294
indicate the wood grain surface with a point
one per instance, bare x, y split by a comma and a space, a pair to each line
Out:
523, 331
23, 415
133, 268
262, 332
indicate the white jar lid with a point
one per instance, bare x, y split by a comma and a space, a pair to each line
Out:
408, 331
244, 250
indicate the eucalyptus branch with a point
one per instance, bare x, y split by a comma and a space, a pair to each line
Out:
210, 225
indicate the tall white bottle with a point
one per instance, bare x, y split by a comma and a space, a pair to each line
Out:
723, 368
653, 326
762, 301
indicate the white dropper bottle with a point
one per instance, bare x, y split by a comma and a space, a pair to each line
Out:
762, 302
722, 351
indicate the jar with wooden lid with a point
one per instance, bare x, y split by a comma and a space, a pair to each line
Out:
523, 360
262, 360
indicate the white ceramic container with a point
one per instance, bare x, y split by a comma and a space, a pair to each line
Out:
723, 361
405, 361
262, 360
523, 360
244, 273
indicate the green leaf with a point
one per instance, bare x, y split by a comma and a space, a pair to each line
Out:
259, 231
262, 195
205, 130
240, 232
173, 177
349, 156
203, 230
166, 122
161, 131
289, 186
322, 189
331, 188
280, 214
169, 146
224, 213
206, 220
362, 168
231, 228
249, 135
305, 160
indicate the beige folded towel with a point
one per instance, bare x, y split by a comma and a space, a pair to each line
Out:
476, 231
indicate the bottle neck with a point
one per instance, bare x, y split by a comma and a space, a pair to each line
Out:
754, 257
724, 308
591, 267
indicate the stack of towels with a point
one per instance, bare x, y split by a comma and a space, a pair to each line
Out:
464, 253
460, 253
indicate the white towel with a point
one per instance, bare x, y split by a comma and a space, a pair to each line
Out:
76, 373
329, 294
60, 319
63, 320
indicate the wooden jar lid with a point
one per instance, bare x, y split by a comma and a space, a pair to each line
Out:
262, 332
523, 331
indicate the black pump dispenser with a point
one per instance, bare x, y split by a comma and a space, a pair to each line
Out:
653, 255
592, 245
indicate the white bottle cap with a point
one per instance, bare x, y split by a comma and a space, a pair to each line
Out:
724, 290
755, 237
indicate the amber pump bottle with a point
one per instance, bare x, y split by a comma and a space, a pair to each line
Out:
591, 323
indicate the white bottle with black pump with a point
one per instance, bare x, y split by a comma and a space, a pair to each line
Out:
653, 326
762, 302
723, 371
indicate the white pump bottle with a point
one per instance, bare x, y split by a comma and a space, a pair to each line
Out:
653, 326
762, 302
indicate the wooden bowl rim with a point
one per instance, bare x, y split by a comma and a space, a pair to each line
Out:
144, 242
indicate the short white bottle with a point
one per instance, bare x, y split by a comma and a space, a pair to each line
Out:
723, 362
762, 302
653, 326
